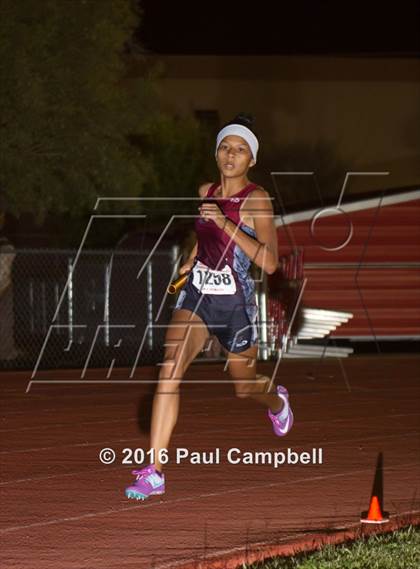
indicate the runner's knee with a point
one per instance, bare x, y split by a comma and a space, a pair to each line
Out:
242, 390
168, 383
171, 369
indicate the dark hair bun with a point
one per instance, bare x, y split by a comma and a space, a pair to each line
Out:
244, 119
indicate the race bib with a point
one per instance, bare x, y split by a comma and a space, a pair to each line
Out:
210, 281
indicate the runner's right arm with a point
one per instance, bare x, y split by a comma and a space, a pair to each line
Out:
186, 267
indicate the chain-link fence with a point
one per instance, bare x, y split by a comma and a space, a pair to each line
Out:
64, 311
110, 308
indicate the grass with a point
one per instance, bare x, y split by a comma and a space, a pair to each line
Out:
396, 550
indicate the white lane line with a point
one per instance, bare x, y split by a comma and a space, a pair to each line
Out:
244, 428
57, 425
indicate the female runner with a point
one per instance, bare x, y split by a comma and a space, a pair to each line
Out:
235, 227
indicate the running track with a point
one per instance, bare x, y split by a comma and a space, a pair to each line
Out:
62, 508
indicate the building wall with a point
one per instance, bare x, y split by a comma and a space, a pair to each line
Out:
363, 112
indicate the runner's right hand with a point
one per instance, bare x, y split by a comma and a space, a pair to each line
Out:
186, 267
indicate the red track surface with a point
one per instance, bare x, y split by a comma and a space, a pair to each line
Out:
62, 508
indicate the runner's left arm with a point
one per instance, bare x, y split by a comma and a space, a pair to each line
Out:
263, 250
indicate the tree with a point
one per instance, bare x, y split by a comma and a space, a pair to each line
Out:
181, 156
64, 117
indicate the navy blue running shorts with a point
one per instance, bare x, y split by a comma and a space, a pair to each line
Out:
227, 316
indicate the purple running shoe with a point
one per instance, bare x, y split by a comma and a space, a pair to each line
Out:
148, 482
282, 427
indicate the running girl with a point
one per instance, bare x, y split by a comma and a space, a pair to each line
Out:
235, 228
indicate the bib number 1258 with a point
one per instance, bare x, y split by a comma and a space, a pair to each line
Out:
210, 281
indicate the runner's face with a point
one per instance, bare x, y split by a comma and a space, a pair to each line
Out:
234, 156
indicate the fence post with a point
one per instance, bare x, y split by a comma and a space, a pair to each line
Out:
70, 298
149, 305
56, 301
174, 256
262, 316
108, 268
31, 306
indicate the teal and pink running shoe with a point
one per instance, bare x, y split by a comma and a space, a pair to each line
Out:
282, 426
148, 482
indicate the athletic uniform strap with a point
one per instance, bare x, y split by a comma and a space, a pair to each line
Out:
211, 190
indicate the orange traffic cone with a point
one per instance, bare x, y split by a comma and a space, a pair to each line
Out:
374, 515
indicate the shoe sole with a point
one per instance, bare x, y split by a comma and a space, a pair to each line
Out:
139, 496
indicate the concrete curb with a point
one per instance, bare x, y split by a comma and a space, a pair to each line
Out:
311, 541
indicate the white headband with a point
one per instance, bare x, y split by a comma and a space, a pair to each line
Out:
239, 130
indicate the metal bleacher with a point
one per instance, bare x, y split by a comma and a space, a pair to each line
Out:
288, 321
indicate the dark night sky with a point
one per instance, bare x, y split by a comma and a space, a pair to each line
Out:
280, 27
